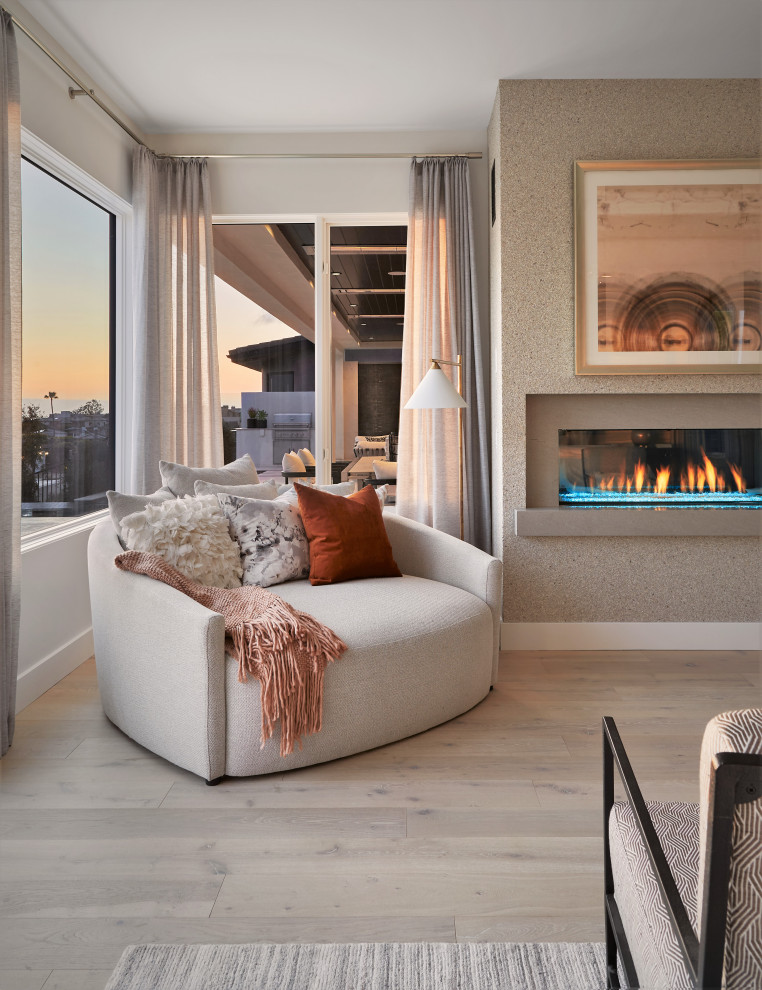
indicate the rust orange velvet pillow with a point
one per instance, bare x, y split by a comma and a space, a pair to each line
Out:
347, 536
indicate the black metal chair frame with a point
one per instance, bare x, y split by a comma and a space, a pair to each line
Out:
377, 482
308, 472
737, 780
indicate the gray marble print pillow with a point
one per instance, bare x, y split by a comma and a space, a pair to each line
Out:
274, 546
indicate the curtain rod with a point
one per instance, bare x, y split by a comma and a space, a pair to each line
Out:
84, 90
331, 154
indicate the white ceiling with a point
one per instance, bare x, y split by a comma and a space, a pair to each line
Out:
180, 66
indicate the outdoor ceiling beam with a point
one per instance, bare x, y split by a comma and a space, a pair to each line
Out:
375, 316
289, 250
362, 249
368, 292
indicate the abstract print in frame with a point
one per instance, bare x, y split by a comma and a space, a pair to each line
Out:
668, 262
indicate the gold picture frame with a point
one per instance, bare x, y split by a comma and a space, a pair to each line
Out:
668, 267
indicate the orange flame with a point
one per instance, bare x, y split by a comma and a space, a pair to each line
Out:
694, 478
711, 473
737, 477
640, 476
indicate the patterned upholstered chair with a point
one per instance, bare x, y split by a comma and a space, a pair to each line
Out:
683, 882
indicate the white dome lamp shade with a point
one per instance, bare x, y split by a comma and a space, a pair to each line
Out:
435, 390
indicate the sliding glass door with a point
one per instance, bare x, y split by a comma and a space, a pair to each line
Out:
310, 320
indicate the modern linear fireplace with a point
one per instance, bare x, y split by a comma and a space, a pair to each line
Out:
649, 468
618, 432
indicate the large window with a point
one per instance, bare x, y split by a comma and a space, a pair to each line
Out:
68, 321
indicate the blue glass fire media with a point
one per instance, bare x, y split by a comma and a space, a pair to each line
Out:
674, 468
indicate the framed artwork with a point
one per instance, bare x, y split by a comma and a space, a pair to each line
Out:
668, 264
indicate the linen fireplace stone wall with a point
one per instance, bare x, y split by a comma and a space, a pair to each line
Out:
538, 130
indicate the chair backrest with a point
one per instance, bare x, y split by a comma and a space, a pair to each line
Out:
733, 733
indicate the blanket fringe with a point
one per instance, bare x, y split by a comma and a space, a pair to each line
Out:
292, 688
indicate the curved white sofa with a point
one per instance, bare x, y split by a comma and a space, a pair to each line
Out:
422, 649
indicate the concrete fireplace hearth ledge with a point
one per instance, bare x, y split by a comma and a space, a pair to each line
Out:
563, 521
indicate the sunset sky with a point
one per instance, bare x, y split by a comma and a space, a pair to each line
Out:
65, 286
239, 322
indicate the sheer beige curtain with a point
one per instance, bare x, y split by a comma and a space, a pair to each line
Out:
442, 320
176, 392
10, 378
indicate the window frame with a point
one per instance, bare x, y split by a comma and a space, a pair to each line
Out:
41, 154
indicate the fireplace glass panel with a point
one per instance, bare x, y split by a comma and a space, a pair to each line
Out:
680, 468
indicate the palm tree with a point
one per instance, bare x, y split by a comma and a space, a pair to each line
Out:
51, 395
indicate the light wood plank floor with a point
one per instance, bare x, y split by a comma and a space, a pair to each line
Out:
486, 828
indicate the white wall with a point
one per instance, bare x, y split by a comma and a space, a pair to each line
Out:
56, 627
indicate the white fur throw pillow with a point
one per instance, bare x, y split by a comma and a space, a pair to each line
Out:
192, 535
273, 543
120, 505
306, 456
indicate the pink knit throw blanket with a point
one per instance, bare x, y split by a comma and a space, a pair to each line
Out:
285, 649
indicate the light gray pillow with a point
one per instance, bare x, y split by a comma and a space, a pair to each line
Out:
120, 505
180, 479
270, 533
288, 492
266, 490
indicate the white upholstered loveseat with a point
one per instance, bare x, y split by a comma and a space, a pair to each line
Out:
422, 649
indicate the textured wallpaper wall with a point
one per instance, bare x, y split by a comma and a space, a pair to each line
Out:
538, 130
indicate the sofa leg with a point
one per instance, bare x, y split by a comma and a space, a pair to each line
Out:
217, 780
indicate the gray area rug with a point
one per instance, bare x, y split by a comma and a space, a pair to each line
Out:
363, 966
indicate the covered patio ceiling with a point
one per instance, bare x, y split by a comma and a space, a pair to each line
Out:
274, 266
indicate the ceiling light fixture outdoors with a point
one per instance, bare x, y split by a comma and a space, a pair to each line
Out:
395, 273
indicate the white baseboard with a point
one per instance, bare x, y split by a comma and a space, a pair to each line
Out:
49, 671
630, 636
